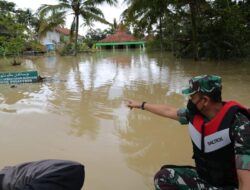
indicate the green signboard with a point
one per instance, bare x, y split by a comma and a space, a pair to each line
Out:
18, 77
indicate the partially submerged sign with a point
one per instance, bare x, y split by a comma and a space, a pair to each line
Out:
18, 77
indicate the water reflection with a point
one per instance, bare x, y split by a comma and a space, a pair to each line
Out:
50, 62
80, 113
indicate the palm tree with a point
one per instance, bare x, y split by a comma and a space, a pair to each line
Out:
148, 13
86, 9
145, 14
48, 23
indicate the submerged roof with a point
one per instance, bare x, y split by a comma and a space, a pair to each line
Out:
64, 31
119, 36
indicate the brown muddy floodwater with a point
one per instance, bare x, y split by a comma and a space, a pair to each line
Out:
79, 113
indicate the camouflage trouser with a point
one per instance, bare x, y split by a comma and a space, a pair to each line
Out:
181, 177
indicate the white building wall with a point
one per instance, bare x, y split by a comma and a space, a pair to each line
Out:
51, 37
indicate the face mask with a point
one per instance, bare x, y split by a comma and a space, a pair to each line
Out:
193, 110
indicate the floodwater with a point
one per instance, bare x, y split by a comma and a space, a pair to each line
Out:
79, 114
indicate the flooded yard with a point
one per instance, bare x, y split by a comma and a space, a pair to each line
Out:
79, 113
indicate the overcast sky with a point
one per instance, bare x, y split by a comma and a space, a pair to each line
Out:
109, 12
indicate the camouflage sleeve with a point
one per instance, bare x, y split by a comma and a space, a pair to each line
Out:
182, 116
241, 135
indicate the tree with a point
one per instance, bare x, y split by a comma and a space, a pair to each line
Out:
194, 9
24, 17
12, 36
143, 14
47, 23
86, 9
6, 7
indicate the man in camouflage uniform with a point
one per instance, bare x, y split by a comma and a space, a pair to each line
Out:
220, 134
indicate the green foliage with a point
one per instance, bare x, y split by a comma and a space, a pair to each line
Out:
25, 17
13, 38
67, 49
202, 29
15, 29
35, 46
14, 46
228, 35
2, 51
93, 36
6, 7
83, 47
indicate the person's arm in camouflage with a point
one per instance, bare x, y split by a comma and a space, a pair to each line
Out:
241, 135
158, 109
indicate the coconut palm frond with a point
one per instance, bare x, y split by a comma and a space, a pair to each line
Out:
49, 23
93, 10
46, 9
110, 2
89, 17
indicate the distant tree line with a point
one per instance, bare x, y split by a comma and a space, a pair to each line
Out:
20, 29
217, 29
199, 29
16, 26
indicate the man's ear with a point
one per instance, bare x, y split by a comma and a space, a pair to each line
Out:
206, 100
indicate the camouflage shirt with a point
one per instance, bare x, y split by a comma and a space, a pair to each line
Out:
240, 132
